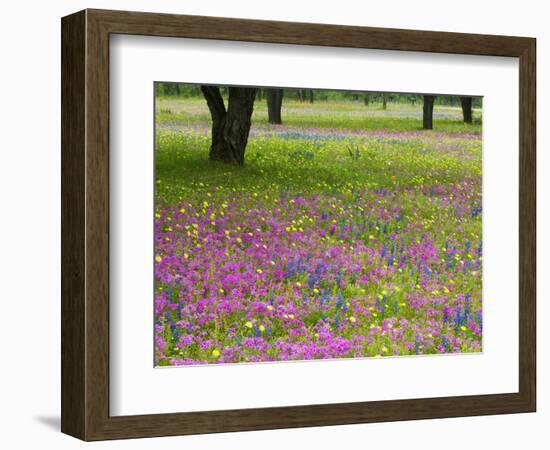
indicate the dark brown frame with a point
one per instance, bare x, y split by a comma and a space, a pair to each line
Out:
85, 224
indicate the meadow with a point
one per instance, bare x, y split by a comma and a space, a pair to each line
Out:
349, 232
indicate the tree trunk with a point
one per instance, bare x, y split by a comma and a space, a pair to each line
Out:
230, 128
466, 103
311, 95
384, 102
367, 99
274, 101
428, 112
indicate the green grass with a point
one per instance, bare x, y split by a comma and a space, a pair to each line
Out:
182, 163
333, 115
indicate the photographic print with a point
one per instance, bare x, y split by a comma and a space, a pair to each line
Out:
308, 224
319, 225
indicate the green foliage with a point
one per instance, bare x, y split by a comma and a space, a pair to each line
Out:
183, 90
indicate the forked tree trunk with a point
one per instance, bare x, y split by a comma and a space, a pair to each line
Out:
274, 103
230, 128
428, 112
466, 103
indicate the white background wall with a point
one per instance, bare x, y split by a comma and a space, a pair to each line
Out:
30, 220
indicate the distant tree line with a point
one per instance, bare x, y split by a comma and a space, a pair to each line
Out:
164, 89
177, 90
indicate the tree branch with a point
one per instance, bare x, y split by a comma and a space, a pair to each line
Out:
214, 100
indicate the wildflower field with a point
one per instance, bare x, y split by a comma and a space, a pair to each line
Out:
350, 232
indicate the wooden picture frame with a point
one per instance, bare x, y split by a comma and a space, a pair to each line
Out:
85, 224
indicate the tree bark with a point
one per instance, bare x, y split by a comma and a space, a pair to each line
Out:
274, 102
428, 112
231, 127
466, 103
